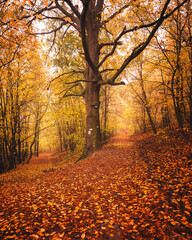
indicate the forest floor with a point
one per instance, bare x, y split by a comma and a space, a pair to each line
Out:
135, 187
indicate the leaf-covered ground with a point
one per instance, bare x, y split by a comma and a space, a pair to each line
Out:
136, 187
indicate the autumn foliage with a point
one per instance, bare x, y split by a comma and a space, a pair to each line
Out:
135, 187
59, 63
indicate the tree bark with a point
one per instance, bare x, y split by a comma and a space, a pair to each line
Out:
93, 134
105, 113
145, 101
92, 92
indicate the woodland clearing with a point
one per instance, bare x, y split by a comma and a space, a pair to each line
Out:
135, 187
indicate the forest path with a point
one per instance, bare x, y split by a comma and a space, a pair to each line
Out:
42, 158
135, 187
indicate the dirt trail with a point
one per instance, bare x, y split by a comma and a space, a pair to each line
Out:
42, 158
135, 187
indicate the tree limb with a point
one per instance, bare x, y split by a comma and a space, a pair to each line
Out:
52, 31
73, 8
136, 51
61, 75
101, 45
113, 49
115, 14
66, 13
124, 31
107, 70
155, 22
73, 94
36, 133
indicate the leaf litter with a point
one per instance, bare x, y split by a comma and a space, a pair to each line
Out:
135, 187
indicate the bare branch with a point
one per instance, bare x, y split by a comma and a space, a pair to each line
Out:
73, 8
52, 31
112, 84
118, 84
66, 13
61, 75
165, 54
68, 88
101, 45
50, 7
70, 74
45, 9
124, 31
78, 81
53, 42
107, 70
11, 60
155, 22
136, 51
72, 95
36, 133
115, 14
113, 49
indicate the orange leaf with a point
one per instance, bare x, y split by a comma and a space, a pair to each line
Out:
31, 3
83, 236
46, 3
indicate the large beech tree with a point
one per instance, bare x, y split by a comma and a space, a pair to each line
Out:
92, 19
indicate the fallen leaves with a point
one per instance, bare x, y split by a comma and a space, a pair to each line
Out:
128, 190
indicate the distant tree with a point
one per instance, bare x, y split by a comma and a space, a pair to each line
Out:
175, 64
20, 80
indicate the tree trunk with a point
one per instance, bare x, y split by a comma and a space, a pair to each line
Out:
146, 102
105, 113
60, 136
190, 82
151, 120
190, 97
144, 120
93, 133
35, 136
